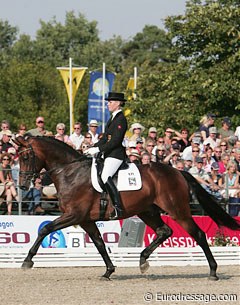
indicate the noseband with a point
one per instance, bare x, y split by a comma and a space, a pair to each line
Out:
32, 173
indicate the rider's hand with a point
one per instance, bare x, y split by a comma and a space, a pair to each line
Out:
91, 151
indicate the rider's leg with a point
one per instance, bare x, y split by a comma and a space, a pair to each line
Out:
111, 165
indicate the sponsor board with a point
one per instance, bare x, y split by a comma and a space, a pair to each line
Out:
22, 231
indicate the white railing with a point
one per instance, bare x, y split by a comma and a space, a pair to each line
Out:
121, 257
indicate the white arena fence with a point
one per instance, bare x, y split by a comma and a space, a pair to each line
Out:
121, 257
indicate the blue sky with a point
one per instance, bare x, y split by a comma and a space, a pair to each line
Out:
114, 17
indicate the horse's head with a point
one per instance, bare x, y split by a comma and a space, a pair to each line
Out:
29, 163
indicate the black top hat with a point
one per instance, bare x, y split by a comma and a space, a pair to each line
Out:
115, 96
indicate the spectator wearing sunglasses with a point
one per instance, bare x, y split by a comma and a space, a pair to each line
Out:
5, 125
93, 126
76, 137
6, 140
149, 146
88, 138
61, 136
22, 128
40, 128
225, 132
6, 178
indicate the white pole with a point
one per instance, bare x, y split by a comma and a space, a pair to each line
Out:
135, 82
135, 78
103, 97
70, 98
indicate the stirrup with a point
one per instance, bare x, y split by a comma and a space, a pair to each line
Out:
117, 213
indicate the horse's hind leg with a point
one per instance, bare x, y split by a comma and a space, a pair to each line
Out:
154, 221
96, 237
192, 228
58, 224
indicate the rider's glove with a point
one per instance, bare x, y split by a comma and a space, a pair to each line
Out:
91, 151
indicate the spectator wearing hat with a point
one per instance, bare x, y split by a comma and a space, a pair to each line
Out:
137, 129
111, 146
6, 138
40, 128
152, 133
188, 164
206, 122
212, 140
76, 137
139, 145
93, 126
131, 145
134, 156
225, 133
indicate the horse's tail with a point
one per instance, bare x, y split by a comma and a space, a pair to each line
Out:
210, 204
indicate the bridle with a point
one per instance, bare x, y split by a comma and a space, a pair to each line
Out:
31, 174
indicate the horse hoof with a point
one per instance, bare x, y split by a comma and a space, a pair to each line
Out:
213, 278
144, 267
27, 264
108, 273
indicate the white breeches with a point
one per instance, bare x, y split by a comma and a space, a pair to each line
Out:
111, 165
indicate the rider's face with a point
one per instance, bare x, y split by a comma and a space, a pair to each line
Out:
113, 105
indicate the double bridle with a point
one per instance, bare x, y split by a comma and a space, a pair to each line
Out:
32, 173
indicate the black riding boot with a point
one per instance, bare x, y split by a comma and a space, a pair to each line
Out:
115, 197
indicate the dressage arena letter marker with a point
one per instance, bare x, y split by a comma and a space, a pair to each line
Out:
76, 240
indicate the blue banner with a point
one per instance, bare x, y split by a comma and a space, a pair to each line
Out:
95, 104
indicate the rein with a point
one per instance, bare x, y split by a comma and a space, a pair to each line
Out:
34, 172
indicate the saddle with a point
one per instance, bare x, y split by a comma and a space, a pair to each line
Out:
127, 177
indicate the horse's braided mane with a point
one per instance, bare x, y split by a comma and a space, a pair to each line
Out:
63, 146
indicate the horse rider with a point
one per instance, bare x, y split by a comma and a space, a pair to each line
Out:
110, 144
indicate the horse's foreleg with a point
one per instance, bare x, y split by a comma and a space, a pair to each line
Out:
96, 237
58, 224
153, 220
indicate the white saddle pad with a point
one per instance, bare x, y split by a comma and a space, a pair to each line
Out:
128, 179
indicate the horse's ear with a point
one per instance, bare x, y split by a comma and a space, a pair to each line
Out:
20, 141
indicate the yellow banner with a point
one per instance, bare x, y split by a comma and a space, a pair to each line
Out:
130, 85
130, 89
77, 75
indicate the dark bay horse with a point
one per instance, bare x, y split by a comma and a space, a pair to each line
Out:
164, 188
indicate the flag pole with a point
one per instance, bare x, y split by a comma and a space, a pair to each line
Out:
70, 96
135, 82
103, 97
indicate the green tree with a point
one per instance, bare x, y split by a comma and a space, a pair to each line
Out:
205, 78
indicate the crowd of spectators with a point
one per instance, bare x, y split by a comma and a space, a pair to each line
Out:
210, 154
